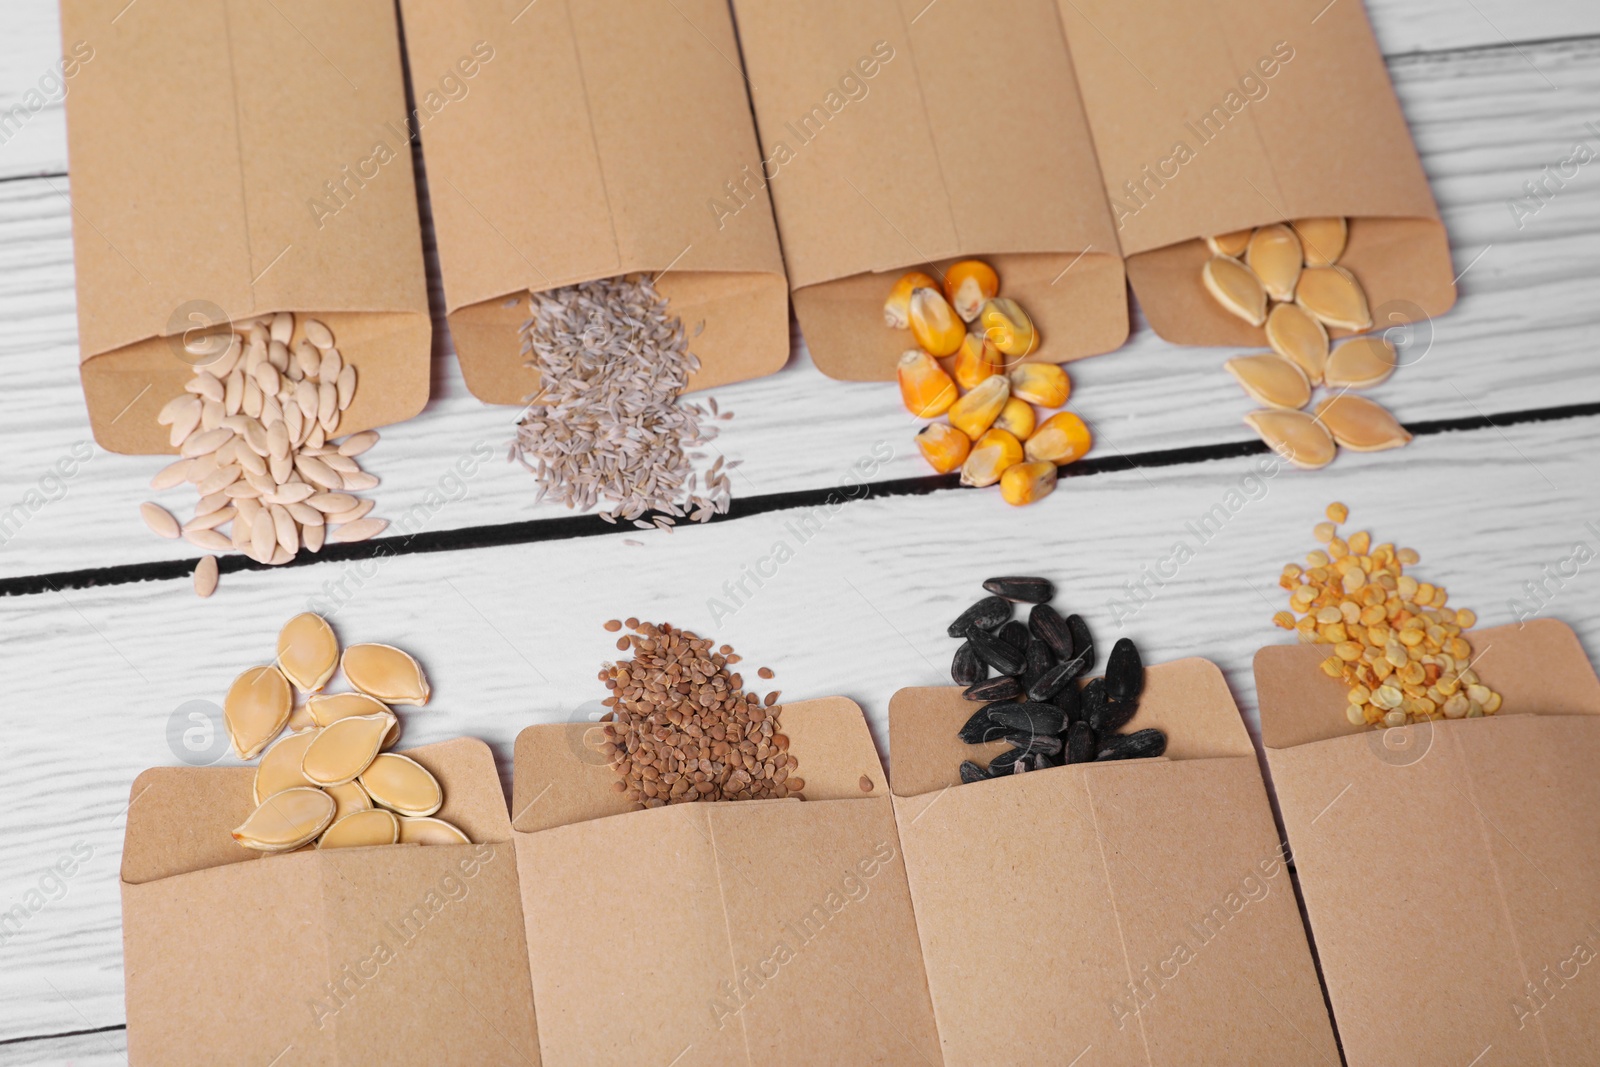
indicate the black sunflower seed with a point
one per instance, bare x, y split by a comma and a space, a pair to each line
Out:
998, 654
986, 614
1049, 744
1093, 697
1117, 714
1140, 744
980, 728
966, 668
1124, 672
1080, 743
1082, 640
1015, 634
971, 772
1026, 590
1004, 687
1057, 678
1040, 659
1070, 701
1003, 763
1040, 761
1046, 623
1032, 718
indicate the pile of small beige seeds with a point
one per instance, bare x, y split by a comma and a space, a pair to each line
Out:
1395, 643
329, 783
256, 429
682, 728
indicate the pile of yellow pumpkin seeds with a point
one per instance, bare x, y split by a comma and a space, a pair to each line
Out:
682, 728
1294, 271
330, 781
1395, 643
994, 434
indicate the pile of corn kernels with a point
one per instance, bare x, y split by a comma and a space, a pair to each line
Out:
1395, 643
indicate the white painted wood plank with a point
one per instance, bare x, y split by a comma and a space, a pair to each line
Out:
1521, 337
109, 1049
512, 636
33, 140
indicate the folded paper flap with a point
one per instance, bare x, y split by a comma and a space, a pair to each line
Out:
562, 777
180, 819
590, 139
1188, 699
268, 169
1538, 667
876, 123
1212, 120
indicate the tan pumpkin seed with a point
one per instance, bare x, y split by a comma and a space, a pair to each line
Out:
362, 829
308, 652
402, 784
210, 520
1299, 338
205, 573
360, 530
358, 443
210, 540
1360, 424
385, 672
1333, 297
256, 708
1323, 240
160, 520
430, 831
1232, 244
359, 481
344, 749
328, 708
347, 385
1270, 379
318, 334
282, 327
1275, 257
279, 768
1236, 288
286, 821
1361, 363
311, 536
348, 797
331, 503
1295, 436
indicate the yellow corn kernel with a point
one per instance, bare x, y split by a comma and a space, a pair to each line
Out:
1006, 441
924, 386
1017, 418
968, 284
984, 466
934, 322
897, 309
943, 446
1008, 326
976, 412
1045, 384
1025, 483
977, 360
1061, 438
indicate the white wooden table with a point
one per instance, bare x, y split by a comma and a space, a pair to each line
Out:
104, 640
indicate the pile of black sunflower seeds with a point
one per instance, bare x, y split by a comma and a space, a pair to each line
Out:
1033, 699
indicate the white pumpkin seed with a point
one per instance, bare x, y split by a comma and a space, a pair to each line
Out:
304, 514
358, 443
331, 503
219, 479
205, 574
359, 481
173, 474
282, 327
311, 535
360, 530
208, 504
307, 359
263, 537
251, 404
210, 540
286, 821
317, 333
210, 520
331, 366
206, 385
355, 513
160, 520
341, 463
347, 385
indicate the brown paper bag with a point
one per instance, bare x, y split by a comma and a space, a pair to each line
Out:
1214, 118
231, 159
1451, 870
1142, 908
399, 954
754, 931
895, 140
569, 142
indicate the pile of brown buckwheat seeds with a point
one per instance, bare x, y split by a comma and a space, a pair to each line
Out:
682, 728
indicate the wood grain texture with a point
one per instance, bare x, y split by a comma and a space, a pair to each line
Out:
513, 636
1521, 337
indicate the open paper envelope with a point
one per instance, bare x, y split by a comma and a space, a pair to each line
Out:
897, 140
1218, 117
594, 143
231, 159
1451, 870
395, 954
1141, 909
753, 932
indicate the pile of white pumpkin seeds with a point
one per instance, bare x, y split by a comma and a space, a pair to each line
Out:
607, 424
1034, 702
